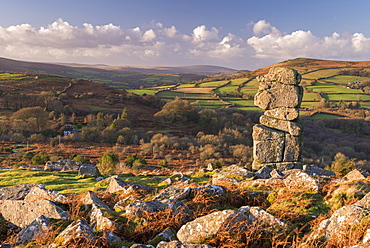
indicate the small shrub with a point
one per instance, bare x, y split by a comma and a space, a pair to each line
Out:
131, 159
40, 158
107, 162
163, 163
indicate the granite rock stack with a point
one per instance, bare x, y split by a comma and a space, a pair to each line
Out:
277, 139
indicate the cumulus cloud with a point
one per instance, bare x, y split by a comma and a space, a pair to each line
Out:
156, 44
274, 45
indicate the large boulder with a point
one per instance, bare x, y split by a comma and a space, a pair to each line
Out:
23, 213
273, 95
39, 192
98, 220
90, 198
292, 127
268, 144
282, 75
314, 170
209, 225
17, 192
63, 165
300, 179
77, 229
88, 170
283, 113
38, 226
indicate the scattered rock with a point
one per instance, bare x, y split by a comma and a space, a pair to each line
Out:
206, 226
260, 215
355, 175
39, 225
63, 165
300, 179
172, 194
98, 221
314, 170
23, 213
39, 192
17, 192
263, 173
90, 198
88, 170
77, 229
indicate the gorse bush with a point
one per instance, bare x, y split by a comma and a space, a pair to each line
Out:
107, 162
135, 159
40, 158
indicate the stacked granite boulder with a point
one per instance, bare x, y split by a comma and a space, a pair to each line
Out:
277, 139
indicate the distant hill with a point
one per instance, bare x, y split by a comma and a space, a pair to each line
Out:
118, 76
194, 69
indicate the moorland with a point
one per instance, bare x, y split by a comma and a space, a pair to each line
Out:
148, 125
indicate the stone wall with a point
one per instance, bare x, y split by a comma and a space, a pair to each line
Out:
277, 139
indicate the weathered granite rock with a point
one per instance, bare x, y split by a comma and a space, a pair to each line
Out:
39, 225
88, 170
90, 198
292, 149
121, 205
177, 177
98, 221
282, 166
268, 144
355, 175
232, 174
138, 207
206, 226
210, 189
281, 74
17, 192
276, 173
166, 235
292, 127
300, 179
263, 173
172, 193
283, 113
77, 229
116, 185
23, 213
314, 170
273, 95
260, 215
63, 165
39, 192
141, 246
181, 244
273, 183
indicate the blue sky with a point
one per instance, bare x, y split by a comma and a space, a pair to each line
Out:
239, 34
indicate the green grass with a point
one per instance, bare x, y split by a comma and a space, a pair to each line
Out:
325, 116
342, 79
321, 73
328, 88
213, 84
311, 97
63, 182
309, 105
182, 95
226, 89
186, 86
141, 92
238, 81
348, 97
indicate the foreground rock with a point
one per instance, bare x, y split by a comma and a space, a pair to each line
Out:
23, 213
38, 226
79, 229
17, 192
206, 226
181, 244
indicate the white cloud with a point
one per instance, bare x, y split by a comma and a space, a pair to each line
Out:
160, 45
201, 33
276, 46
149, 35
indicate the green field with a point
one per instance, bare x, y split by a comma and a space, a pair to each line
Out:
321, 73
348, 97
329, 88
227, 89
311, 97
213, 84
346, 79
186, 86
325, 116
173, 94
141, 92
238, 81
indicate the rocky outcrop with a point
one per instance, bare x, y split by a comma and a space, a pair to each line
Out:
63, 165
88, 170
300, 179
39, 192
17, 192
277, 139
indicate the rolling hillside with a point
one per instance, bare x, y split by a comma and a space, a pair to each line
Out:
118, 77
